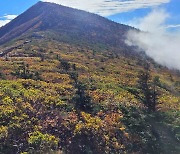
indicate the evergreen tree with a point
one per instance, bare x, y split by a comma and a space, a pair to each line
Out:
148, 88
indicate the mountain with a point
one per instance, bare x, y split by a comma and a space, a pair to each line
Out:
66, 24
69, 84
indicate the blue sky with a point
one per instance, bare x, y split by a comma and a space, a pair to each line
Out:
122, 11
15, 6
173, 8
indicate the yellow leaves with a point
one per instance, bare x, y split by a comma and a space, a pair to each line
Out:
78, 128
22, 96
1, 94
126, 135
41, 101
45, 66
56, 77
169, 98
44, 141
168, 101
106, 127
91, 123
110, 124
49, 89
18, 100
24, 152
106, 137
3, 132
68, 57
126, 97
6, 111
113, 119
91, 120
33, 94
7, 101
53, 101
98, 96
122, 128
118, 146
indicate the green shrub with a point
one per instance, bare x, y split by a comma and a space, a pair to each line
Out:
42, 142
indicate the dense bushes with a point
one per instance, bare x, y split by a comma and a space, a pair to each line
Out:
42, 142
72, 99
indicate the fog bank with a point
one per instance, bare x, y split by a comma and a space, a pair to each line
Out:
157, 40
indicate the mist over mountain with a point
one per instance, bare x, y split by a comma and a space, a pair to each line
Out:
156, 39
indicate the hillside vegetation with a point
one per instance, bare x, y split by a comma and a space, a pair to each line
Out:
70, 84
57, 97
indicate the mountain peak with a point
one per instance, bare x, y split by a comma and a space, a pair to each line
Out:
66, 24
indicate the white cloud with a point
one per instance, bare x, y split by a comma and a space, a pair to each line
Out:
10, 16
108, 7
6, 19
158, 43
4, 22
173, 26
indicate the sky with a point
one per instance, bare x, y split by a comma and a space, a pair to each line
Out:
158, 20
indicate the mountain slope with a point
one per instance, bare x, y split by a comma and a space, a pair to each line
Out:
67, 23
60, 95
